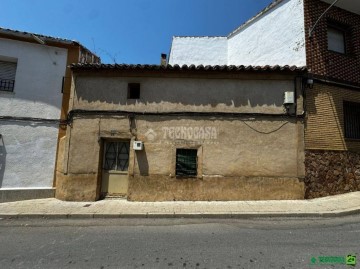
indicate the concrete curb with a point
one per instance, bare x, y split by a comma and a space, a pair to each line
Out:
328, 214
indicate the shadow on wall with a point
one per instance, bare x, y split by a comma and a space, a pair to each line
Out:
143, 163
200, 93
2, 159
325, 105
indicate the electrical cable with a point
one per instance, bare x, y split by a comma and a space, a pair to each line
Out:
260, 132
31, 119
79, 112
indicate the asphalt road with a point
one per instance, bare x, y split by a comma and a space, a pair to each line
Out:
176, 243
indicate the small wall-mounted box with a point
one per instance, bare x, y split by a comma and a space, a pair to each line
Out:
289, 98
138, 145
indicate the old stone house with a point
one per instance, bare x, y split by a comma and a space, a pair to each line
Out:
34, 94
324, 36
156, 133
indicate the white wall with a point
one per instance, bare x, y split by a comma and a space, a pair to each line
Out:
27, 149
198, 50
27, 155
276, 37
38, 80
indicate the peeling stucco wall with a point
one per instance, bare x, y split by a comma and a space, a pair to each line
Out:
261, 95
274, 37
269, 148
28, 149
241, 149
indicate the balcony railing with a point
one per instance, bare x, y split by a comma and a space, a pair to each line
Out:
7, 85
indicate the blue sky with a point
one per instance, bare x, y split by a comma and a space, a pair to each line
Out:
128, 31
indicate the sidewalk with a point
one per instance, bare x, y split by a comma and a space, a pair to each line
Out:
339, 205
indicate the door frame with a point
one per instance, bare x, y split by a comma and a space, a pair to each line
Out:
102, 140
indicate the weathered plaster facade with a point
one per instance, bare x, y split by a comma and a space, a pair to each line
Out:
280, 35
244, 156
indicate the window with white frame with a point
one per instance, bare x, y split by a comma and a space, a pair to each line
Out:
7, 75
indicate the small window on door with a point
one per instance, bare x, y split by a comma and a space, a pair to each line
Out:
116, 157
186, 162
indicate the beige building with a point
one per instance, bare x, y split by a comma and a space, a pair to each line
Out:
156, 133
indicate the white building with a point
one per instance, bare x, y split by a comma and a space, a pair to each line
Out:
275, 36
33, 86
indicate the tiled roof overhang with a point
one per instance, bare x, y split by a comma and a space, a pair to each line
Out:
225, 68
33, 37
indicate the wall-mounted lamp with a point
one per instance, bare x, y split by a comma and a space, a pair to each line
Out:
310, 83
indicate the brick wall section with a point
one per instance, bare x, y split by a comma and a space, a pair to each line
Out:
331, 172
319, 59
324, 125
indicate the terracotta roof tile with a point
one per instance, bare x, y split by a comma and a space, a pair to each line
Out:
187, 67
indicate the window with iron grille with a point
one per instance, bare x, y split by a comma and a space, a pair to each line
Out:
7, 76
116, 156
186, 162
352, 120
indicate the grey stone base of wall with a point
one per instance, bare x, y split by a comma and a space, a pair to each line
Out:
331, 173
12, 195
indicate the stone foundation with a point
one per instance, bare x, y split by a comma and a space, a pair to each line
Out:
331, 173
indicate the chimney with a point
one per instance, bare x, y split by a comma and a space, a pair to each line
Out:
163, 61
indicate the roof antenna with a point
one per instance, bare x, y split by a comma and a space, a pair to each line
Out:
38, 39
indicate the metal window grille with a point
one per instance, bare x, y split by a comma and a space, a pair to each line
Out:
352, 120
7, 76
116, 156
186, 162
7, 85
